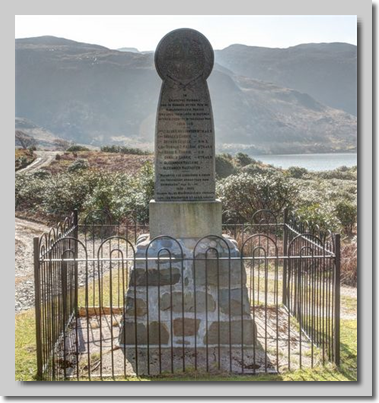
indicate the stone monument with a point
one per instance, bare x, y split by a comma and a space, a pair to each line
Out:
184, 140
187, 301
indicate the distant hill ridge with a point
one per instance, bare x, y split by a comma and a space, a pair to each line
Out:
94, 95
326, 71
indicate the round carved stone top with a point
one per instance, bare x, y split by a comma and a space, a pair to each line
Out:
184, 55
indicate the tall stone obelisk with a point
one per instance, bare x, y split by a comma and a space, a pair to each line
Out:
184, 205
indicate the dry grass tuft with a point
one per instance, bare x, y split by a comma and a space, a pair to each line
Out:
349, 257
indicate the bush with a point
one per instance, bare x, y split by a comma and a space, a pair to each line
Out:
242, 195
296, 172
343, 173
257, 168
224, 165
29, 192
75, 148
123, 194
346, 212
21, 162
317, 215
40, 174
68, 191
87, 190
243, 159
78, 165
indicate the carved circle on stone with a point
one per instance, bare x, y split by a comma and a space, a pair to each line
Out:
184, 55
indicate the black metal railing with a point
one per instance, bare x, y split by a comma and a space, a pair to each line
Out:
111, 302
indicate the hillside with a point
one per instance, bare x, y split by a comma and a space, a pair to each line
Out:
325, 71
93, 95
43, 137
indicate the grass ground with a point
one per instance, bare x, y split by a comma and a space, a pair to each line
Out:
26, 357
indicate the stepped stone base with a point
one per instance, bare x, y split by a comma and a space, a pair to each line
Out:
198, 303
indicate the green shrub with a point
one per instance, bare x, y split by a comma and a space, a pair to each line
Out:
296, 172
243, 194
319, 216
40, 174
346, 212
68, 191
78, 165
343, 173
21, 162
76, 147
257, 168
29, 192
123, 193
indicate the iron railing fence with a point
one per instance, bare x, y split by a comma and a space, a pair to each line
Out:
103, 309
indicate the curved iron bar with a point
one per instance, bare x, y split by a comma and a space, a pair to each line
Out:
159, 237
306, 236
43, 244
60, 231
66, 224
268, 213
74, 240
114, 237
260, 235
211, 237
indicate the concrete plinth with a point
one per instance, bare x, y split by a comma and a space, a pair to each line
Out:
185, 219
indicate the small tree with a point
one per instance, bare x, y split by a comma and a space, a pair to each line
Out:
24, 140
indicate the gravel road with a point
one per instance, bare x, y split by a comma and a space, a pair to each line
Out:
43, 158
24, 276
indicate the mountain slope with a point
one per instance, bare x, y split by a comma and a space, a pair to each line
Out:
326, 71
94, 95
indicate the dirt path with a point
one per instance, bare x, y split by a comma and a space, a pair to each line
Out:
24, 275
43, 158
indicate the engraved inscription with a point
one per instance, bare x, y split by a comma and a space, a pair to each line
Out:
184, 151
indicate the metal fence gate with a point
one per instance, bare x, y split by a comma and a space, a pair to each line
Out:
83, 271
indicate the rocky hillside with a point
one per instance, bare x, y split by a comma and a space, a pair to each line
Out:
325, 71
93, 95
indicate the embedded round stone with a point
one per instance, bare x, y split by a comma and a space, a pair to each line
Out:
184, 55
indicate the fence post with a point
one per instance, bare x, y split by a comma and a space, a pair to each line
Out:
285, 241
37, 302
76, 253
337, 301
76, 222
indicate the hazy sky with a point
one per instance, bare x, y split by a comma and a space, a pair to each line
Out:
144, 32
